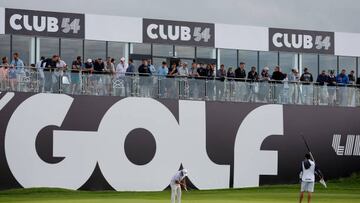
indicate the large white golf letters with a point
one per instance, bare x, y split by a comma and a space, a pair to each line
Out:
27, 167
249, 160
177, 142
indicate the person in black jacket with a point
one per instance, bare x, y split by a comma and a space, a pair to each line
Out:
253, 75
278, 76
331, 81
321, 80
306, 79
144, 68
240, 72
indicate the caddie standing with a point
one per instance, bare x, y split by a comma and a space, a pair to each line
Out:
176, 182
307, 177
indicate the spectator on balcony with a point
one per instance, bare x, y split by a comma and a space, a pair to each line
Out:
202, 70
221, 73
40, 69
278, 75
88, 66
109, 67
306, 77
131, 68
351, 90
99, 66
122, 67
331, 83
76, 67
322, 78
58, 75
352, 78
307, 90
193, 70
4, 67
342, 80
151, 67
173, 69
209, 71
144, 68
265, 76
163, 70
18, 63
230, 73
182, 70
293, 86
240, 72
253, 75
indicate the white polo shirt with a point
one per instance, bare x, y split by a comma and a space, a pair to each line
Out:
177, 177
308, 175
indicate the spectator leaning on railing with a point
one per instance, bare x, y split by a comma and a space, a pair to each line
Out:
331, 81
342, 80
307, 78
240, 72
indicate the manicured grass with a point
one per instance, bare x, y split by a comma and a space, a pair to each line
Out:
340, 191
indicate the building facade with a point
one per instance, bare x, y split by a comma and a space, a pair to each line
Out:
99, 36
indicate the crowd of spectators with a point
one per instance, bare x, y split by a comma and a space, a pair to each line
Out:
50, 69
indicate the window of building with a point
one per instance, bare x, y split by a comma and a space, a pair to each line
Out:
206, 53
250, 58
228, 57
268, 59
288, 61
5, 46
70, 49
162, 50
25, 46
95, 49
47, 47
185, 52
138, 48
328, 62
309, 61
117, 50
347, 63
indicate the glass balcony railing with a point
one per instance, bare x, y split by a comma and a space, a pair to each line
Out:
187, 88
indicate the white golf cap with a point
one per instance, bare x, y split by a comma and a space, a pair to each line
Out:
266, 68
122, 59
185, 172
89, 60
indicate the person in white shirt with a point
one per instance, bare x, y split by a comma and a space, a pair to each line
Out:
183, 70
121, 68
307, 177
177, 181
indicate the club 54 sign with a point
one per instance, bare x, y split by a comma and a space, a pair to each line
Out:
178, 32
301, 41
41, 23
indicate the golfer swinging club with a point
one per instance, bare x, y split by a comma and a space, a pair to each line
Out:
176, 182
307, 177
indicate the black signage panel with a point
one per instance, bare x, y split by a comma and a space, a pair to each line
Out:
178, 33
303, 41
43, 23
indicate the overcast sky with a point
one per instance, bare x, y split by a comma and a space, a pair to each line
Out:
326, 15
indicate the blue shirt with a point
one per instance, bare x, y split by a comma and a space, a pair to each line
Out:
19, 65
163, 71
342, 79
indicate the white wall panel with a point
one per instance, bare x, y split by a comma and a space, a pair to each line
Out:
241, 37
347, 44
113, 28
